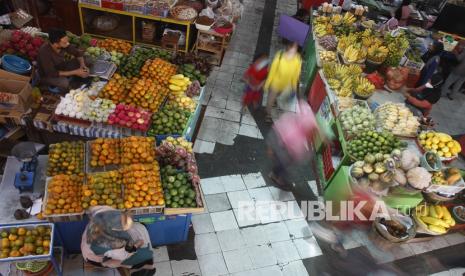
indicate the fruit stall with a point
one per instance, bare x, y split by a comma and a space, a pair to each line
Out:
381, 147
157, 184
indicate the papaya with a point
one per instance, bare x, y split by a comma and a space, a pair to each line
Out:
453, 178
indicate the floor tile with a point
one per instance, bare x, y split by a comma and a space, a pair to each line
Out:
268, 213
285, 252
233, 183
224, 221
230, 115
248, 119
292, 211
218, 103
296, 268
234, 105
163, 269
253, 180
351, 240
249, 131
225, 138
307, 248
206, 244
239, 198
262, 255
313, 187
231, 240
217, 203
261, 195
455, 238
420, 247
211, 185
202, 223
214, 112
253, 272
238, 260
255, 235
212, 123
160, 254
438, 243
281, 195
277, 232
400, 251
185, 267
298, 228
273, 270
246, 216
229, 127
212, 265
204, 146
72, 266
208, 134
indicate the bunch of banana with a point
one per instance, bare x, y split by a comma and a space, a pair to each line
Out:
179, 83
366, 33
436, 217
336, 19
377, 53
354, 70
334, 84
351, 53
368, 41
340, 71
397, 46
397, 118
346, 88
329, 70
363, 87
348, 18
346, 41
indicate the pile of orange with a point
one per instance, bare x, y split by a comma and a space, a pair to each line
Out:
137, 150
103, 188
63, 195
147, 94
142, 185
104, 152
25, 241
116, 89
66, 158
115, 45
159, 70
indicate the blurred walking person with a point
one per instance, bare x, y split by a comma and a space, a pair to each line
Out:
283, 78
289, 142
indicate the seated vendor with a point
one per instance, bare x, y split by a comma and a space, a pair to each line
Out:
425, 96
112, 239
54, 70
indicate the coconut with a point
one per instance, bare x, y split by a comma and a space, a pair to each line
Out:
380, 168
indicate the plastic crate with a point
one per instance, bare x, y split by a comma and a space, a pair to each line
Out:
61, 217
165, 229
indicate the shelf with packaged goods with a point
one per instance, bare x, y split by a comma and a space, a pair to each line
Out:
132, 25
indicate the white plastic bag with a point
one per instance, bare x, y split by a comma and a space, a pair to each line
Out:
212, 3
207, 12
182, 38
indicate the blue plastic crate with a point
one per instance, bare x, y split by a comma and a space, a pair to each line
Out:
166, 229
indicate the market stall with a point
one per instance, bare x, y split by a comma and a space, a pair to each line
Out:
381, 146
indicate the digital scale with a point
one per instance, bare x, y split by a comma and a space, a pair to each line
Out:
26, 153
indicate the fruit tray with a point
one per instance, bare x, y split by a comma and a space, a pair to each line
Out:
443, 159
83, 169
61, 217
30, 226
90, 169
190, 210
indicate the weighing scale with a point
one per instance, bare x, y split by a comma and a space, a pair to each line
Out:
102, 69
25, 152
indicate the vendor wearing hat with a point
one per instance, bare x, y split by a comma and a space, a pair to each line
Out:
54, 70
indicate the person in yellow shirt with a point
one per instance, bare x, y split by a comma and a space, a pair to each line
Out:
283, 78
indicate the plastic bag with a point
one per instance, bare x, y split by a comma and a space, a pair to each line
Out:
212, 3
207, 12
182, 38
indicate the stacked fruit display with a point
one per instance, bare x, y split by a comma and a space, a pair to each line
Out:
178, 189
142, 185
178, 98
373, 142
179, 83
116, 89
104, 188
169, 120
193, 89
435, 218
66, 158
356, 119
375, 171
84, 41
341, 77
137, 150
25, 241
328, 56
104, 152
449, 176
178, 152
189, 71
159, 70
98, 110
345, 41
397, 118
363, 87
22, 44
131, 65
115, 45
440, 143
63, 195
322, 26
73, 104
147, 94
328, 42
130, 117
397, 46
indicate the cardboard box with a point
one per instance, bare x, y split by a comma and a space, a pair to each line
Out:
20, 87
11, 117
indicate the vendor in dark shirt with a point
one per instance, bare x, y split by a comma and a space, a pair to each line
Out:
54, 70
